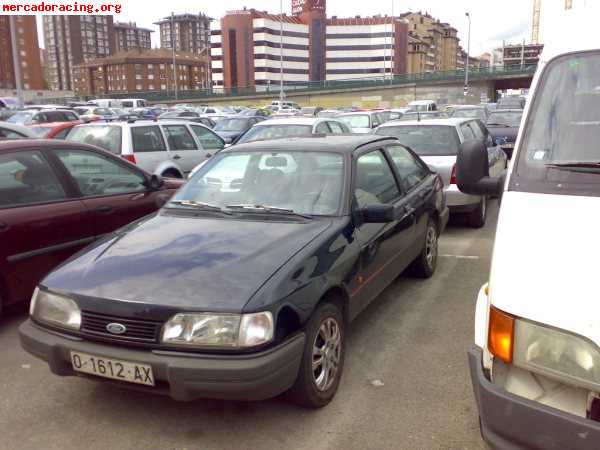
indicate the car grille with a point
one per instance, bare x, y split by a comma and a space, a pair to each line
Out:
136, 330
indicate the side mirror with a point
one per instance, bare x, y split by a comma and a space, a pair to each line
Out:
378, 214
155, 182
473, 170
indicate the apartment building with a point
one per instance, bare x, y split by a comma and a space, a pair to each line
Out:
521, 54
72, 40
189, 32
141, 71
128, 36
28, 54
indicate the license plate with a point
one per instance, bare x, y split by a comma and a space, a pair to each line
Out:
112, 368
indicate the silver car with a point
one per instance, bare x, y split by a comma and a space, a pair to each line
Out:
293, 127
362, 122
437, 142
13, 131
170, 149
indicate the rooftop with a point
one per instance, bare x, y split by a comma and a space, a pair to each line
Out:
330, 143
134, 56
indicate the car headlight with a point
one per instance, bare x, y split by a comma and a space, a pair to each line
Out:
55, 310
556, 354
218, 330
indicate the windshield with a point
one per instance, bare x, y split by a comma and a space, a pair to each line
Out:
21, 117
231, 125
267, 132
563, 128
304, 182
106, 137
357, 121
509, 119
474, 113
430, 140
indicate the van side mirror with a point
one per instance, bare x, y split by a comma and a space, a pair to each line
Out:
473, 170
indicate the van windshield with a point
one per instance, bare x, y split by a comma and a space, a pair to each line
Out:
560, 151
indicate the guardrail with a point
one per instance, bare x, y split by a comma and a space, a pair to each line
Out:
475, 74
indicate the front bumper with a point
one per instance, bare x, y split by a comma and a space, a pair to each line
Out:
183, 376
512, 422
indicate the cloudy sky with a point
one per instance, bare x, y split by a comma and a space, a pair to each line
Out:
492, 20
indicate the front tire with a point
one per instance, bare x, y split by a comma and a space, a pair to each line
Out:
426, 263
478, 217
323, 358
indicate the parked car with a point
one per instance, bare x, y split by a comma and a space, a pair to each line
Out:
170, 149
256, 112
363, 121
32, 117
311, 110
503, 126
57, 197
393, 114
56, 130
535, 364
511, 102
423, 105
328, 113
293, 127
10, 131
417, 115
243, 286
232, 128
438, 142
469, 112
189, 116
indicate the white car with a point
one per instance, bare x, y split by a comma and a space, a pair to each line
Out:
362, 122
535, 363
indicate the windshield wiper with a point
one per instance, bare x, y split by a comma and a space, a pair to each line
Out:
498, 125
268, 209
199, 205
576, 166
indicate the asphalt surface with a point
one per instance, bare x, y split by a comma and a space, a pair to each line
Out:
405, 385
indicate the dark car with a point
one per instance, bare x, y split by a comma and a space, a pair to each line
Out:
243, 285
503, 126
190, 116
232, 128
55, 198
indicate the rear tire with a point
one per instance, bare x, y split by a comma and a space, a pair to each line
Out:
323, 358
425, 264
171, 174
478, 217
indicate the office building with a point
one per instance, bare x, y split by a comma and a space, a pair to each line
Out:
72, 40
189, 32
141, 71
128, 36
28, 54
521, 54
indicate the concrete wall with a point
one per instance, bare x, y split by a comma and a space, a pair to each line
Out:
37, 96
381, 97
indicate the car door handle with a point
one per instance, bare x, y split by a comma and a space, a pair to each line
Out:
176, 157
3, 226
105, 209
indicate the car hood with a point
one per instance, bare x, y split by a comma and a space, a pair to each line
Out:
544, 265
182, 262
509, 133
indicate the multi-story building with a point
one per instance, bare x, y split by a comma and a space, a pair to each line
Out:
441, 40
190, 32
521, 54
247, 49
72, 40
141, 71
128, 36
29, 54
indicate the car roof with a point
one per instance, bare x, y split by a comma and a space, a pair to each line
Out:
358, 113
18, 144
137, 123
452, 122
421, 102
293, 120
341, 143
17, 128
507, 110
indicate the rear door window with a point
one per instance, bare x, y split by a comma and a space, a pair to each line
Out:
208, 139
147, 139
410, 171
106, 137
179, 138
323, 128
336, 128
375, 181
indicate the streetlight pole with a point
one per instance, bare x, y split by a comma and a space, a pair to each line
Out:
281, 94
174, 61
392, 39
468, 53
16, 59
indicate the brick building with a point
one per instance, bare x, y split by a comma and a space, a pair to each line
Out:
29, 54
141, 71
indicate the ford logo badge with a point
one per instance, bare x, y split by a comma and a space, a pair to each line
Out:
116, 328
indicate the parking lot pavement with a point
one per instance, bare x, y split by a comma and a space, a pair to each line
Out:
405, 385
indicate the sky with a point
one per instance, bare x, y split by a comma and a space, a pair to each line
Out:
493, 21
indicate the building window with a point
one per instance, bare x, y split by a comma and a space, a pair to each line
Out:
138, 87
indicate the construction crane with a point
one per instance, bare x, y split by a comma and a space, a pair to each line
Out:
535, 29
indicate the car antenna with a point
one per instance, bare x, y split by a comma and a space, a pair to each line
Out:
418, 116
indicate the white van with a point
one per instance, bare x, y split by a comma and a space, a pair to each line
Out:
535, 365
132, 103
106, 103
422, 105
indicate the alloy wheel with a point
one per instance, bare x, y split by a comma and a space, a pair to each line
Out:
327, 350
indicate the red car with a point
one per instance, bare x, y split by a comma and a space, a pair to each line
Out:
56, 197
54, 130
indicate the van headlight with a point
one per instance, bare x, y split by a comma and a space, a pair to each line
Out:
218, 330
54, 309
556, 354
